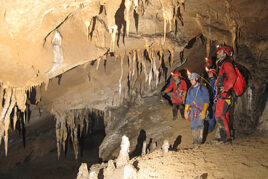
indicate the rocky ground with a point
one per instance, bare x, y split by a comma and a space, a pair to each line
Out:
244, 158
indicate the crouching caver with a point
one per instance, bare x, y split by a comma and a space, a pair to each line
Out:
179, 89
197, 102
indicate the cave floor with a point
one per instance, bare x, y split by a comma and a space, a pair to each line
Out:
244, 158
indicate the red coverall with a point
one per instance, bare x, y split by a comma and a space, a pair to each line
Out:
177, 96
226, 79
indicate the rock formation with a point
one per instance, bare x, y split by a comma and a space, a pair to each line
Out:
93, 57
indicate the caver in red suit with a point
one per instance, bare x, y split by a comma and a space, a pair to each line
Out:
178, 89
225, 82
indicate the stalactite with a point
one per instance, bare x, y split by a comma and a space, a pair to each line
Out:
121, 76
234, 37
87, 23
75, 143
98, 63
113, 31
21, 98
134, 57
171, 51
69, 123
15, 118
208, 43
1, 97
7, 122
167, 12
128, 4
15, 98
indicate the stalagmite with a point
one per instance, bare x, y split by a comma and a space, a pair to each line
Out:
93, 175
57, 52
83, 172
143, 148
165, 147
108, 172
123, 154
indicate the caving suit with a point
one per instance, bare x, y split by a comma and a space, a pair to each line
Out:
226, 79
196, 97
178, 90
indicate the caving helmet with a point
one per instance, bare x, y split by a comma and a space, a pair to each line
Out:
208, 60
193, 75
175, 74
226, 49
211, 70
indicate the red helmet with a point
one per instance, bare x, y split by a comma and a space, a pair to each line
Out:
208, 60
225, 48
211, 70
175, 74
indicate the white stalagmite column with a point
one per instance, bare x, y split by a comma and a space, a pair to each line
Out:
165, 147
83, 172
143, 148
123, 157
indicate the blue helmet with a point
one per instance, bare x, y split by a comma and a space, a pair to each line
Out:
193, 75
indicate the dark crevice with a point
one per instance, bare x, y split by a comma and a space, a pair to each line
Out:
136, 17
191, 43
120, 21
101, 9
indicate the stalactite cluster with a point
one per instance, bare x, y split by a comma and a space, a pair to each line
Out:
13, 105
73, 124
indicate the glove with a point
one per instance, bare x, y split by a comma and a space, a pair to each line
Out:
165, 91
204, 111
186, 109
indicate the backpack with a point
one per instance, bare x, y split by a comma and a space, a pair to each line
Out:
240, 82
